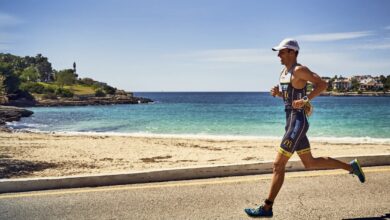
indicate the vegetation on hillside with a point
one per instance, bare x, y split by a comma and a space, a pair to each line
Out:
34, 77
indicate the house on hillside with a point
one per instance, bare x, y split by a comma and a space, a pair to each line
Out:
370, 84
342, 84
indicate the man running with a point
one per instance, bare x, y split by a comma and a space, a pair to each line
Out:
293, 81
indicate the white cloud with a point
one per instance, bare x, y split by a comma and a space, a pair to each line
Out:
333, 36
228, 55
383, 46
8, 20
344, 63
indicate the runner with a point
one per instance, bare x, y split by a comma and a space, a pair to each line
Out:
293, 81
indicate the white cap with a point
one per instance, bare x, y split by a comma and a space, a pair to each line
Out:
287, 43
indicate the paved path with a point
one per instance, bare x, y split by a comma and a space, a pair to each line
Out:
331, 194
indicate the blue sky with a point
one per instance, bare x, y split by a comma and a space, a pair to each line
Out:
198, 45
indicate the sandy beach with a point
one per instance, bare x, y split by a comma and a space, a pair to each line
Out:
55, 154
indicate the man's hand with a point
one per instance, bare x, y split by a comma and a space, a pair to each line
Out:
275, 91
298, 104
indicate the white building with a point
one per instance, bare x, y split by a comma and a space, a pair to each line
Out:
342, 84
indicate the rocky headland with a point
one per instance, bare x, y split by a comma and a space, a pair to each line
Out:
10, 113
79, 101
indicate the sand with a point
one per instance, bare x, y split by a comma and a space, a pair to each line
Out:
57, 154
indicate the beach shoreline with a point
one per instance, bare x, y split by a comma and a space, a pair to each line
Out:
54, 154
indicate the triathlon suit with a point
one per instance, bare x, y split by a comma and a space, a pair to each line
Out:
295, 138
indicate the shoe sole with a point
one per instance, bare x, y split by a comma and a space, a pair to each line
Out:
258, 216
360, 170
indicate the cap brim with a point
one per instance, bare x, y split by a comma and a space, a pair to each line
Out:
277, 48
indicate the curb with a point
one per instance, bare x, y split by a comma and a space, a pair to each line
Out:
32, 184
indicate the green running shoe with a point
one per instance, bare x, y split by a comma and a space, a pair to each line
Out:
357, 170
259, 212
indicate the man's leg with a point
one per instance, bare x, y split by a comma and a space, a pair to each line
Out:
326, 162
322, 162
277, 178
277, 182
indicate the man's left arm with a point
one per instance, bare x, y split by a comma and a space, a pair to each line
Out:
305, 74
320, 85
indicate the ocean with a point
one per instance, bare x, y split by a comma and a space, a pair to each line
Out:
218, 114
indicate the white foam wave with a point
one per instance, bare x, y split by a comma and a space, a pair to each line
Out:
346, 140
24, 126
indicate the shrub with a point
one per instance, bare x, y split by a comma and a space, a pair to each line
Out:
61, 92
86, 81
109, 90
99, 93
49, 89
32, 87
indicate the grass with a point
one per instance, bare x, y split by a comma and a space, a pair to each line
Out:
77, 89
81, 89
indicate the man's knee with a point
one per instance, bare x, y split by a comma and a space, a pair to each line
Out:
312, 163
309, 164
278, 167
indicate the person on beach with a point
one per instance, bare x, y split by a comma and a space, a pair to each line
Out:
293, 82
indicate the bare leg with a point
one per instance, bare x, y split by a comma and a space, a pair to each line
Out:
323, 162
277, 178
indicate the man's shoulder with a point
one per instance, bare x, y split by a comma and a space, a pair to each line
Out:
301, 69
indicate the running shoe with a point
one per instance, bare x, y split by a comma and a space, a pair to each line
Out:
259, 212
357, 170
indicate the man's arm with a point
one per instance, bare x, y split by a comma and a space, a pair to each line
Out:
275, 92
305, 74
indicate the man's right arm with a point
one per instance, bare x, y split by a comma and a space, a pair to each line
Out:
275, 92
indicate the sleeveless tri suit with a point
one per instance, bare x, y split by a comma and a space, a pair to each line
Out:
295, 138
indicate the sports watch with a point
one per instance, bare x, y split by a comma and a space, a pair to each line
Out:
305, 99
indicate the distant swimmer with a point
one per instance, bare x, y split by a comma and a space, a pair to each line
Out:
293, 83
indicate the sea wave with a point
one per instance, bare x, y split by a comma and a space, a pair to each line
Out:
17, 125
346, 140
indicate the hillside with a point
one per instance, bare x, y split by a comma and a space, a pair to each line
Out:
31, 81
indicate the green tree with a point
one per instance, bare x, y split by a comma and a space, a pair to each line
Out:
3, 94
65, 77
109, 90
30, 74
330, 83
386, 85
44, 68
355, 84
11, 81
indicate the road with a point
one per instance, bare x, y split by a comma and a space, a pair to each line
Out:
331, 194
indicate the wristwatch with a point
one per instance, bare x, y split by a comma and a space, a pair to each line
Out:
305, 99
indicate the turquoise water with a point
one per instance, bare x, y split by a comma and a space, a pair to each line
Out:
217, 114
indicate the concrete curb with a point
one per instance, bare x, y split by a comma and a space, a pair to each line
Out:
32, 184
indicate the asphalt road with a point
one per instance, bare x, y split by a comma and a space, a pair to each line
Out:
329, 194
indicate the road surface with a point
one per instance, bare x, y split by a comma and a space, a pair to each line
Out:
331, 194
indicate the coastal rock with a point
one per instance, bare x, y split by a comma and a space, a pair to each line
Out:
9, 113
78, 101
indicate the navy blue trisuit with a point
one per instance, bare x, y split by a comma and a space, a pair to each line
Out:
295, 138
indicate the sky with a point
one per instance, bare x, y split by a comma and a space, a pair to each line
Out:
198, 45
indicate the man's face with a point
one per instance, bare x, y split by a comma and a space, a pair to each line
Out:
285, 55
